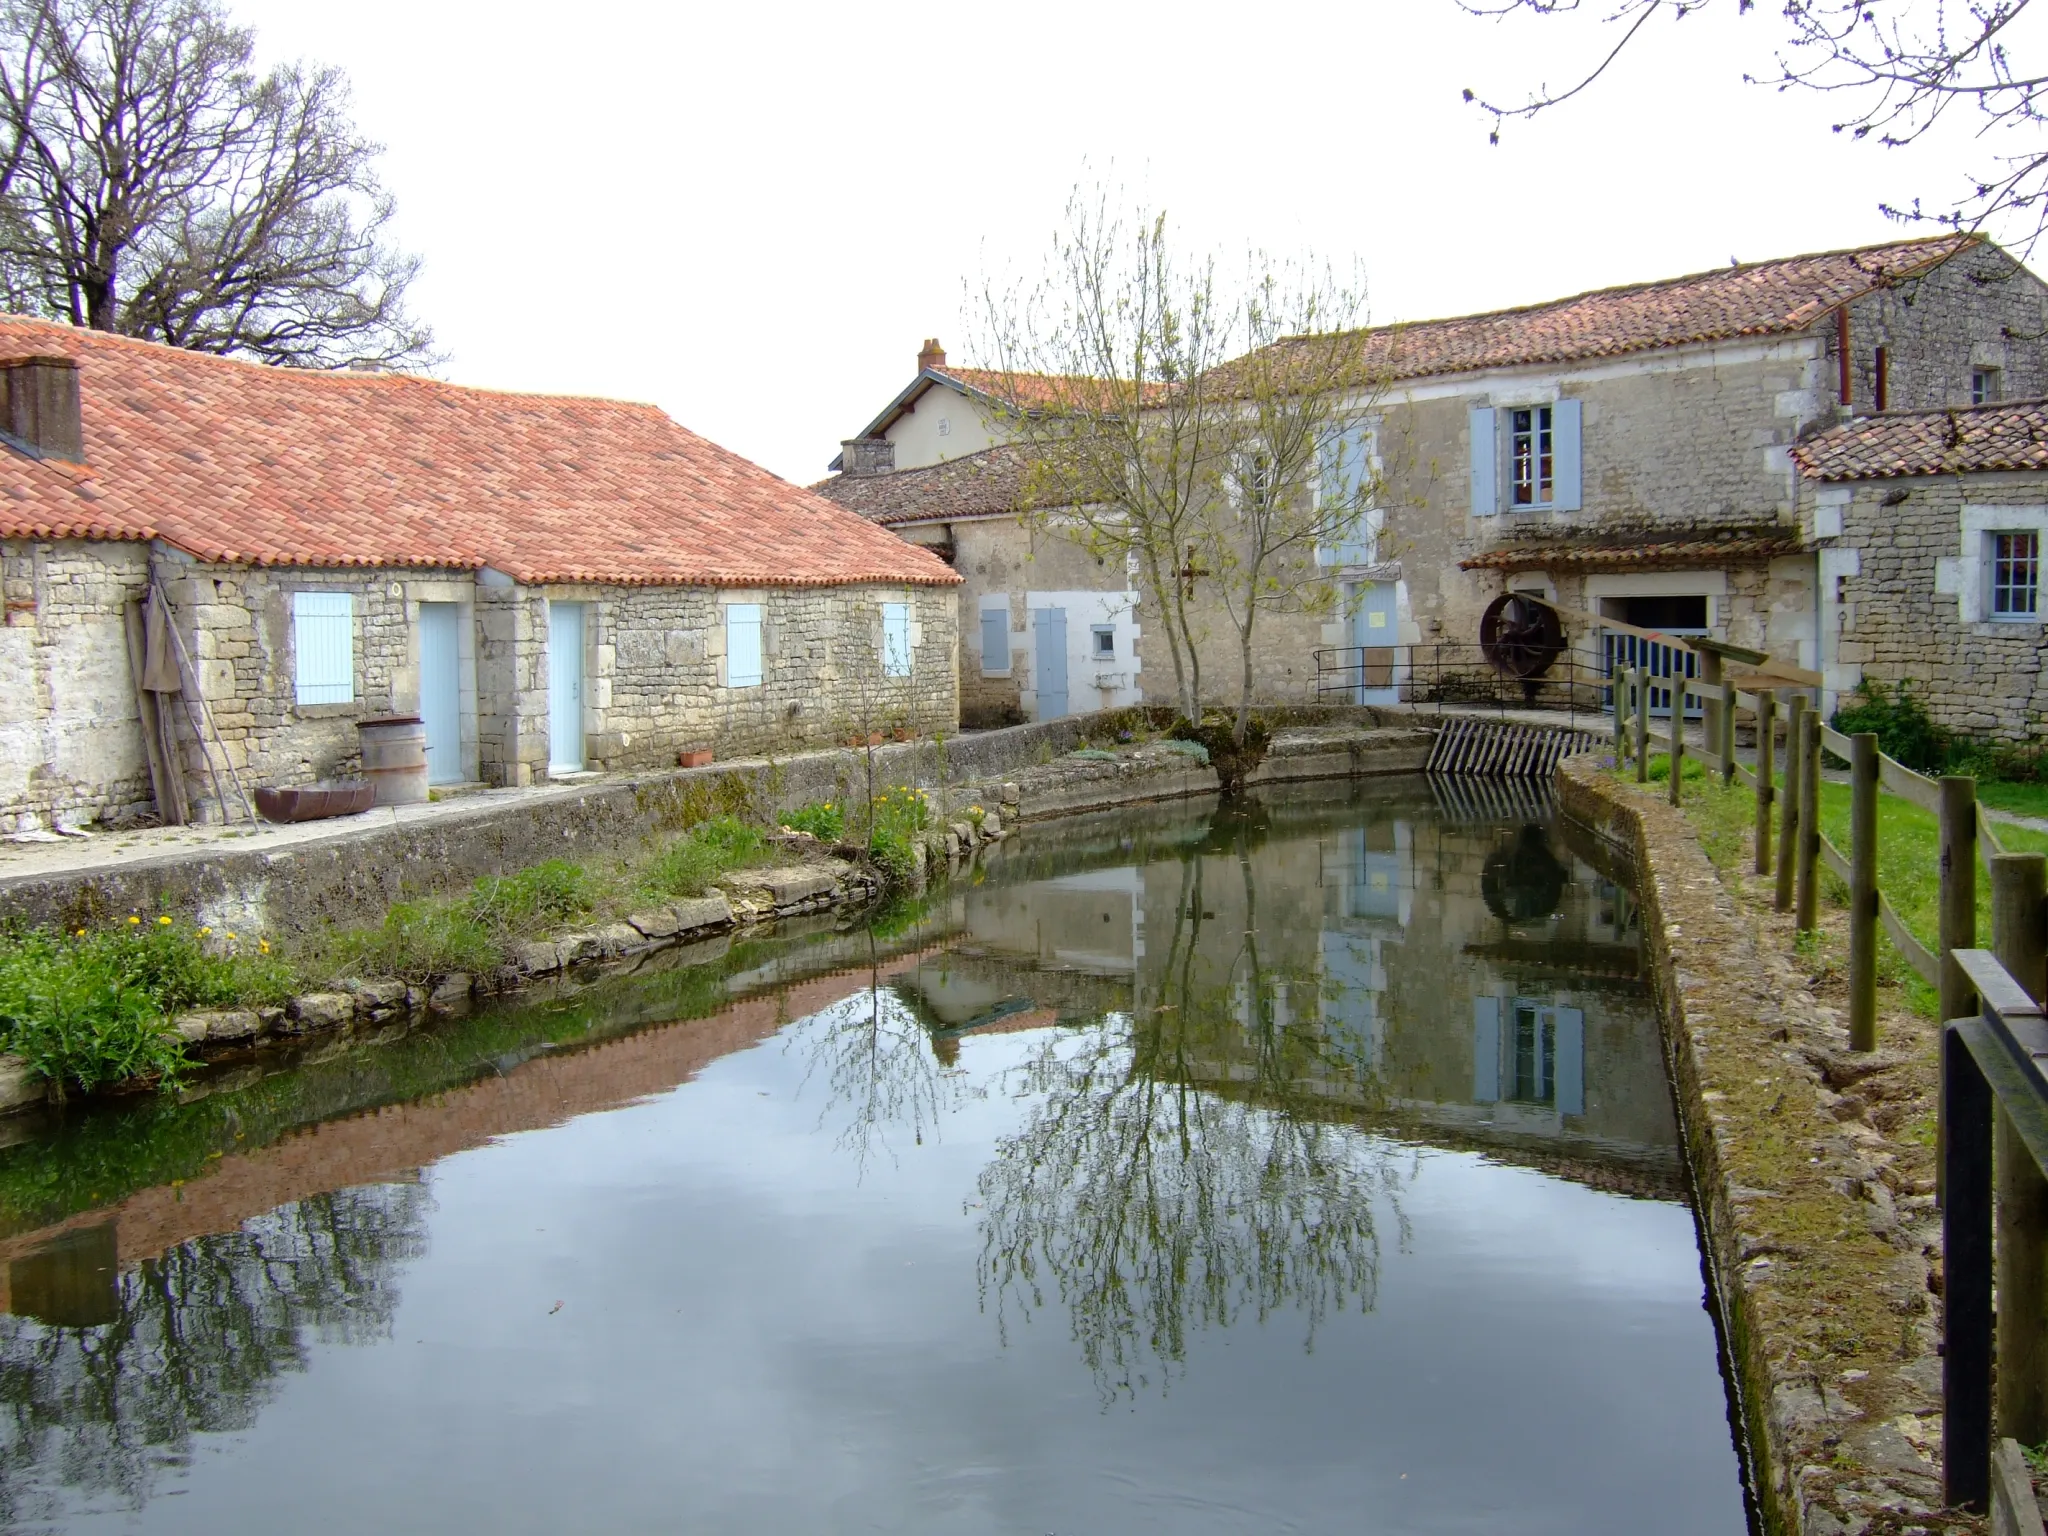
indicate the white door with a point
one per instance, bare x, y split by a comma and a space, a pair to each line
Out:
565, 687
441, 690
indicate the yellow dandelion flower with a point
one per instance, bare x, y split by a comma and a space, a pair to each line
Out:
163, 922
205, 932
231, 933
133, 921
263, 945
80, 934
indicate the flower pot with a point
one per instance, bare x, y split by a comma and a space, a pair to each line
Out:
695, 757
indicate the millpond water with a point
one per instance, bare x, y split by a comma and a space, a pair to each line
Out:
1301, 1167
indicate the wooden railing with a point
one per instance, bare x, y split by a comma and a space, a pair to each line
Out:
2019, 882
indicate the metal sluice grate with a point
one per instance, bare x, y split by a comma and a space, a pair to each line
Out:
1503, 749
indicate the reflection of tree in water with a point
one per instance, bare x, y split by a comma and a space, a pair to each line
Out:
880, 1068
1154, 1208
195, 1344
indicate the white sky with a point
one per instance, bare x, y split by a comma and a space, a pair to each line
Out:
751, 214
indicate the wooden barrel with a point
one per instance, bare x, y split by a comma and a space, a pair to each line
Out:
395, 758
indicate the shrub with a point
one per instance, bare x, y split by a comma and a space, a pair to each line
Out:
90, 1008
824, 820
891, 851
1192, 749
1905, 731
687, 866
547, 893
417, 940
903, 809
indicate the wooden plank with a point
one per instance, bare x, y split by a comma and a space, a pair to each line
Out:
1988, 845
1916, 954
1908, 785
1834, 858
1835, 743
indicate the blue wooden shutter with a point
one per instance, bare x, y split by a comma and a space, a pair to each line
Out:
1571, 1060
324, 647
1485, 463
896, 639
1330, 467
1486, 1046
1566, 495
742, 645
995, 641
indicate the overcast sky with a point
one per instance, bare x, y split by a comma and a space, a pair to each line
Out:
751, 214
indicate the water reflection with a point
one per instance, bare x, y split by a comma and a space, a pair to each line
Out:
1265, 1003
1189, 1071
106, 1376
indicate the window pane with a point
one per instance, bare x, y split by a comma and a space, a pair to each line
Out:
895, 639
2016, 574
323, 647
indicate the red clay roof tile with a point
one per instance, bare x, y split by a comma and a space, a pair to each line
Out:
1973, 440
235, 462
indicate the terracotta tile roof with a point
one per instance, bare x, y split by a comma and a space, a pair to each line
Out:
985, 484
1035, 391
1735, 546
44, 499
239, 463
1973, 440
1764, 298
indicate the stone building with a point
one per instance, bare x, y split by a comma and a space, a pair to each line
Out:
1930, 527
1624, 452
554, 585
1048, 628
1627, 452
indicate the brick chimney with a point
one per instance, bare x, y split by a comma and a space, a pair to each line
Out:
39, 405
867, 456
933, 355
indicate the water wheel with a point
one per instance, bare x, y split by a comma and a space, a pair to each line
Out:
1520, 636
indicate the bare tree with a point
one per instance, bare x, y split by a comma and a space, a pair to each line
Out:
152, 183
1900, 67
1302, 483
1189, 429
1105, 363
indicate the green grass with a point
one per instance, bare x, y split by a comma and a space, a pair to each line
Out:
2022, 799
1908, 857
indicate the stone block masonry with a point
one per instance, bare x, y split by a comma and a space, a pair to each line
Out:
1816, 1230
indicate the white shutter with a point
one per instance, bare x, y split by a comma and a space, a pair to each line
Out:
324, 647
896, 639
742, 645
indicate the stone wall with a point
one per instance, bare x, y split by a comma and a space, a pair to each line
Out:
70, 736
1980, 310
1904, 599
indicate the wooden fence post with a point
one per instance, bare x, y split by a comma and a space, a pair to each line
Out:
1788, 817
1863, 892
1711, 709
1617, 678
1766, 791
1676, 757
1727, 741
1806, 912
1642, 725
1958, 912
2019, 897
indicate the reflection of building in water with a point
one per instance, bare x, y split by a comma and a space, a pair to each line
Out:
1476, 978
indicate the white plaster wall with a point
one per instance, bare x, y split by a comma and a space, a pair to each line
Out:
944, 424
1091, 684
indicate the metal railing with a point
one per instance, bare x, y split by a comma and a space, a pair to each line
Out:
1457, 676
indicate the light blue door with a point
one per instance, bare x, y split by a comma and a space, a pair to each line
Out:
441, 690
1050, 627
1373, 631
565, 687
